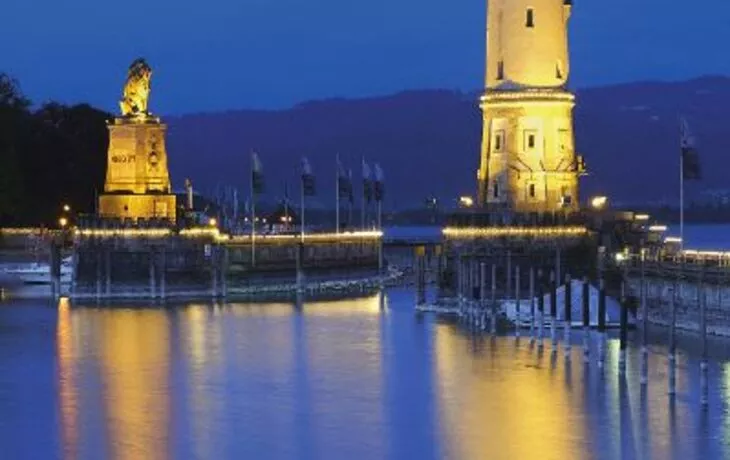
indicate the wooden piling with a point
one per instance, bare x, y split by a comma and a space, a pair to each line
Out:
601, 322
420, 276
493, 327
553, 310
541, 307
163, 274
623, 336
568, 313
586, 304
518, 317
225, 258
98, 273
108, 271
508, 275
703, 331
644, 379
152, 271
672, 341
532, 303
214, 271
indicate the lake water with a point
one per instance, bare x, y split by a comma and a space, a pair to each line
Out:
330, 380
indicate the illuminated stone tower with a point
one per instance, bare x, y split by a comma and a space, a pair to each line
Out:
137, 180
528, 161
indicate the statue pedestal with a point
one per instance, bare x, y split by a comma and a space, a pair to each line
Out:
137, 180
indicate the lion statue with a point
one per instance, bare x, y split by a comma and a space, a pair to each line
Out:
136, 89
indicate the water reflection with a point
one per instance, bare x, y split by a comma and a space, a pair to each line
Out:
350, 379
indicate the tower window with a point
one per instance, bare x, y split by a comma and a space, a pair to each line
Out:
530, 140
530, 20
498, 141
500, 70
531, 190
496, 190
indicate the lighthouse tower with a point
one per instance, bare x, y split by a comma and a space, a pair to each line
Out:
528, 161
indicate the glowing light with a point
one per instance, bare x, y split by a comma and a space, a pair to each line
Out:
599, 202
213, 222
620, 257
66, 208
658, 228
63, 222
495, 232
466, 201
672, 239
641, 217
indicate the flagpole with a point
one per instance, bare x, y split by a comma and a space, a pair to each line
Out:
681, 201
364, 197
301, 220
253, 224
337, 194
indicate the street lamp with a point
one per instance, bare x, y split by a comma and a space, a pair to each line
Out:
66, 208
466, 201
63, 222
599, 202
213, 222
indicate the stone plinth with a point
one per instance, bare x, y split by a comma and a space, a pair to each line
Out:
137, 179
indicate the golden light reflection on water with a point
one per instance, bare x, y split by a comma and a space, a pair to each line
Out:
542, 421
135, 358
131, 346
68, 398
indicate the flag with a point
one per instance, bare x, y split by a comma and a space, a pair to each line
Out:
344, 182
690, 158
367, 183
308, 185
257, 174
379, 183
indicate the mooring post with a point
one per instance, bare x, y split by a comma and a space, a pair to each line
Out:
703, 331
623, 333
644, 318
586, 318
152, 270
601, 322
459, 278
518, 317
541, 307
553, 310
508, 275
672, 341
568, 313
214, 271
421, 288
494, 300
108, 271
224, 271
163, 273
482, 294
299, 255
532, 303
55, 269
98, 272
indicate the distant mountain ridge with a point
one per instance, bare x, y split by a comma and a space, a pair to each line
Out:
428, 141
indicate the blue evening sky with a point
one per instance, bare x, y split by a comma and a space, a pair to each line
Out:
227, 54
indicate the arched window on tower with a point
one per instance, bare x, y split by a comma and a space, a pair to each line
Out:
500, 70
496, 189
530, 19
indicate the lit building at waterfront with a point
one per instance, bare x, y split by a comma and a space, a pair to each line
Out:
528, 161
